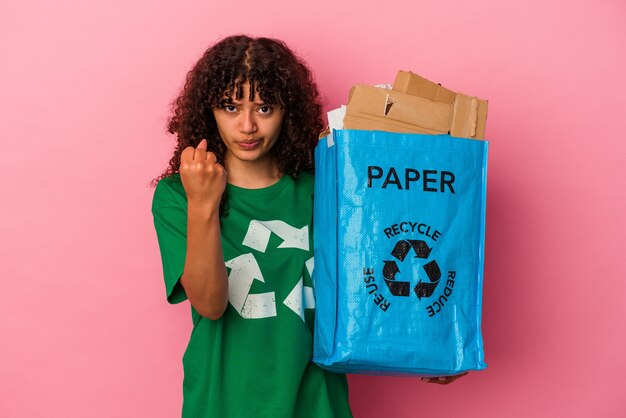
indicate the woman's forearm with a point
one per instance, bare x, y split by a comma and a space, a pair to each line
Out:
204, 278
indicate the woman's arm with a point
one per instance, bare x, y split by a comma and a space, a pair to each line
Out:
204, 277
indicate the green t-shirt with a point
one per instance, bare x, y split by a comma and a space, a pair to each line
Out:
255, 361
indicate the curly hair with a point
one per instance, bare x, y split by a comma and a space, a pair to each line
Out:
280, 78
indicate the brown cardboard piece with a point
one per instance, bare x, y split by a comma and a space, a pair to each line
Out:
416, 105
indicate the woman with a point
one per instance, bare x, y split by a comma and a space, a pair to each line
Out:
233, 216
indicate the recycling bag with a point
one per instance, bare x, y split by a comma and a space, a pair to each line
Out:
398, 245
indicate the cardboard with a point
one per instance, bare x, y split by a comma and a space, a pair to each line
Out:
416, 105
415, 85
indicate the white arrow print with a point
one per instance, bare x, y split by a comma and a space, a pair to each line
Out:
309, 266
244, 270
258, 235
299, 293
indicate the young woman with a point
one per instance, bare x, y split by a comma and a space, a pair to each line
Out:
233, 216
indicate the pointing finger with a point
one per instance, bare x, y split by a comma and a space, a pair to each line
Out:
200, 153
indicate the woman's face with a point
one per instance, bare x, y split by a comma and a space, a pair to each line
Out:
249, 129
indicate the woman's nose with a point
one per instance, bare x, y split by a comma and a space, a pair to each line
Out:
248, 123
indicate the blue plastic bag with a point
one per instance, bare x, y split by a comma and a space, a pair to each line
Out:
399, 223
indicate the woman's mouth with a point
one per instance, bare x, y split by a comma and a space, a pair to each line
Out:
248, 145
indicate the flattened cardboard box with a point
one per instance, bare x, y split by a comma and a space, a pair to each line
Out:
416, 105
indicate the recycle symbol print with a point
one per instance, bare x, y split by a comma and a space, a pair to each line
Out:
423, 289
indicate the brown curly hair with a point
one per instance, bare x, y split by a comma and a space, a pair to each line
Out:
280, 78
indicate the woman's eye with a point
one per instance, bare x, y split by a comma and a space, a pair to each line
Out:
266, 110
230, 108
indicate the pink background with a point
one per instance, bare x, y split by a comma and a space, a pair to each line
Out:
85, 88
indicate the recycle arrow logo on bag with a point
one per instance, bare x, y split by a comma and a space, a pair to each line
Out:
402, 288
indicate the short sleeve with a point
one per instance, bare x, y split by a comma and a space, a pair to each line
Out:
169, 210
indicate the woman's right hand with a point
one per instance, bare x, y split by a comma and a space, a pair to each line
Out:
204, 277
203, 178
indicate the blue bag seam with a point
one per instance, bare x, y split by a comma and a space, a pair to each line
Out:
481, 261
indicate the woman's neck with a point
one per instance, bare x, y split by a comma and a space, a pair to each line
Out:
252, 175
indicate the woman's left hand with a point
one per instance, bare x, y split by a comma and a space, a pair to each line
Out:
442, 380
